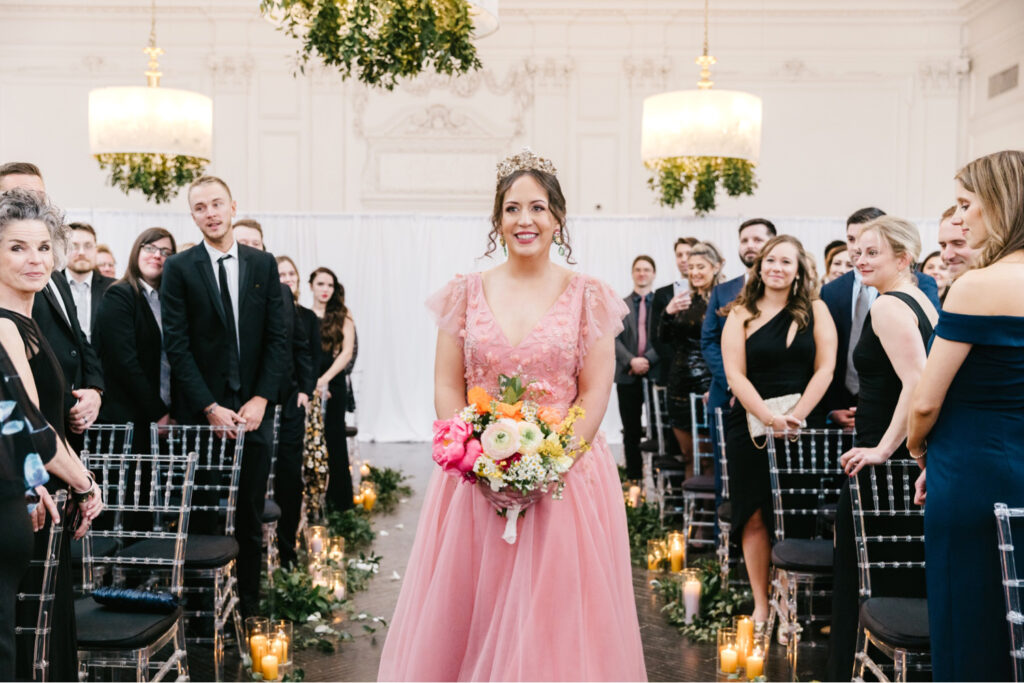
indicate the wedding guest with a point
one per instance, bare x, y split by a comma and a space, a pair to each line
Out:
54, 310
680, 331
754, 234
635, 360
837, 262
33, 243
105, 262
675, 296
848, 301
129, 342
966, 427
337, 340
889, 358
956, 252
221, 309
778, 341
87, 284
830, 246
288, 482
933, 265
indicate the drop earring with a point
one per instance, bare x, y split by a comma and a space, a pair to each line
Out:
504, 248
796, 282
557, 239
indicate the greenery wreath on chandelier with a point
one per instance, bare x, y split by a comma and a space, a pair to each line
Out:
379, 41
158, 176
673, 178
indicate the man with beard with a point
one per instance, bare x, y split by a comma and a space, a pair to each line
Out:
87, 284
754, 234
955, 252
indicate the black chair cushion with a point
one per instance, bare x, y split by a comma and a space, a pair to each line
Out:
102, 628
201, 551
102, 546
803, 554
704, 483
271, 511
725, 512
900, 622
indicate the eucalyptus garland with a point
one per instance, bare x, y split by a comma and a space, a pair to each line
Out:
718, 603
158, 176
674, 177
379, 42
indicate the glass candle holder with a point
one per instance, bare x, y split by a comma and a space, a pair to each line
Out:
691, 593
728, 657
339, 584
369, 492
321, 575
317, 538
337, 552
281, 641
656, 553
677, 551
364, 469
757, 656
257, 634
744, 627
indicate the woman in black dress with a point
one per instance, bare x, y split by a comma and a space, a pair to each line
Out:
778, 340
127, 337
337, 342
33, 238
300, 386
681, 332
889, 358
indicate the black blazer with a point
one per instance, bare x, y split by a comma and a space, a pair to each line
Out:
307, 319
76, 356
298, 374
626, 344
128, 341
196, 336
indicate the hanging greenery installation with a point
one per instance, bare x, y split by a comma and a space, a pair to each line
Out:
674, 177
158, 176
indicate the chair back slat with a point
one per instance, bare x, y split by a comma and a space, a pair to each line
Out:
115, 438
274, 442
1012, 585
888, 526
157, 512
806, 479
700, 429
723, 460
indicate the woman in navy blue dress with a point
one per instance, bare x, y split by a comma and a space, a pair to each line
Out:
966, 427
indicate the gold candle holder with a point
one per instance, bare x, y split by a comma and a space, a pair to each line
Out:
257, 634
677, 551
657, 551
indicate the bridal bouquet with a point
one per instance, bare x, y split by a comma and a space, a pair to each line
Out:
517, 449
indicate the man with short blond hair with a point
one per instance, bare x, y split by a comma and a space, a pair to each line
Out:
955, 252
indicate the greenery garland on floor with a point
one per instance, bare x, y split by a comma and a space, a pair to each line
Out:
390, 485
718, 603
644, 524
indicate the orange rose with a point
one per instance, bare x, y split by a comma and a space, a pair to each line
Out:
551, 416
479, 398
510, 410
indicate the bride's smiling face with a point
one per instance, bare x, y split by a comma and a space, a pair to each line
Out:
527, 223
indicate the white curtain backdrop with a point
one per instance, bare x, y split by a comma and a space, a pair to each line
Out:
390, 263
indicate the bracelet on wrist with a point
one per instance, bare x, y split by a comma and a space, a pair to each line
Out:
209, 411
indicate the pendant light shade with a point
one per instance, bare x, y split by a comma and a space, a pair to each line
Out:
702, 123
485, 17
144, 120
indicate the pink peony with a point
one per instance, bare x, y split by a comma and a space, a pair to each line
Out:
454, 451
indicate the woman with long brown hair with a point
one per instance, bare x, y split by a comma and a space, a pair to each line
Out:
779, 342
128, 340
337, 343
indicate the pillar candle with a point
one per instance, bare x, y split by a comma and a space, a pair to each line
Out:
755, 664
269, 667
727, 660
691, 598
257, 648
634, 496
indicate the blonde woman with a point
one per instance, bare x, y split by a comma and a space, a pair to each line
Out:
967, 426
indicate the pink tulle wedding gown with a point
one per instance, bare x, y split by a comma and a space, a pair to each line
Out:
558, 604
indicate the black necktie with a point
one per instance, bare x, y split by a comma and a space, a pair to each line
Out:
234, 376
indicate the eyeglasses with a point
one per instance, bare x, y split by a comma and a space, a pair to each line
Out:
150, 249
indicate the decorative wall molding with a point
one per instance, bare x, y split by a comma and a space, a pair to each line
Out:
550, 72
943, 77
646, 73
230, 72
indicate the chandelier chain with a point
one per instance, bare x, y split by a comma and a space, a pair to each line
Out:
153, 72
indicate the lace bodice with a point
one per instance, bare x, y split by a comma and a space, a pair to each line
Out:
553, 351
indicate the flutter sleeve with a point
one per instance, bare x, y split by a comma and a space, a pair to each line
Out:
448, 306
603, 311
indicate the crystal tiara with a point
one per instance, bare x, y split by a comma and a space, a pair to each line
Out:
526, 160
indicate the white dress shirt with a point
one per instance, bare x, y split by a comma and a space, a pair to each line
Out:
81, 292
231, 267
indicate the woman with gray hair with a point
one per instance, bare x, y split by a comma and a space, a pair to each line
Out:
33, 241
680, 332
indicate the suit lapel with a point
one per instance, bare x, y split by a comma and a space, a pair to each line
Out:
244, 275
58, 309
202, 263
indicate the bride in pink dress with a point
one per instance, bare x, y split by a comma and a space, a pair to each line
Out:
558, 603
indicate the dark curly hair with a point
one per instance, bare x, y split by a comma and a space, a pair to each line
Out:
335, 311
799, 302
556, 204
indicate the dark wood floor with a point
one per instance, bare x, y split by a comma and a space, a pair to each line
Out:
669, 656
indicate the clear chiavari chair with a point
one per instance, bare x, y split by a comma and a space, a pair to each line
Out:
148, 498
653, 446
724, 511
889, 529
1012, 585
699, 490
352, 381
48, 567
211, 585
271, 510
806, 479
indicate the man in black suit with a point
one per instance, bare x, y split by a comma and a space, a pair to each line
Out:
848, 301
222, 310
676, 297
635, 360
55, 312
87, 284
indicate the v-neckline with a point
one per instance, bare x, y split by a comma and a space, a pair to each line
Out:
494, 318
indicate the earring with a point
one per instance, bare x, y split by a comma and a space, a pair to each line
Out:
796, 282
504, 249
557, 239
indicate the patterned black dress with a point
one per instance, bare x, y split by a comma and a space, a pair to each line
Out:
688, 373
